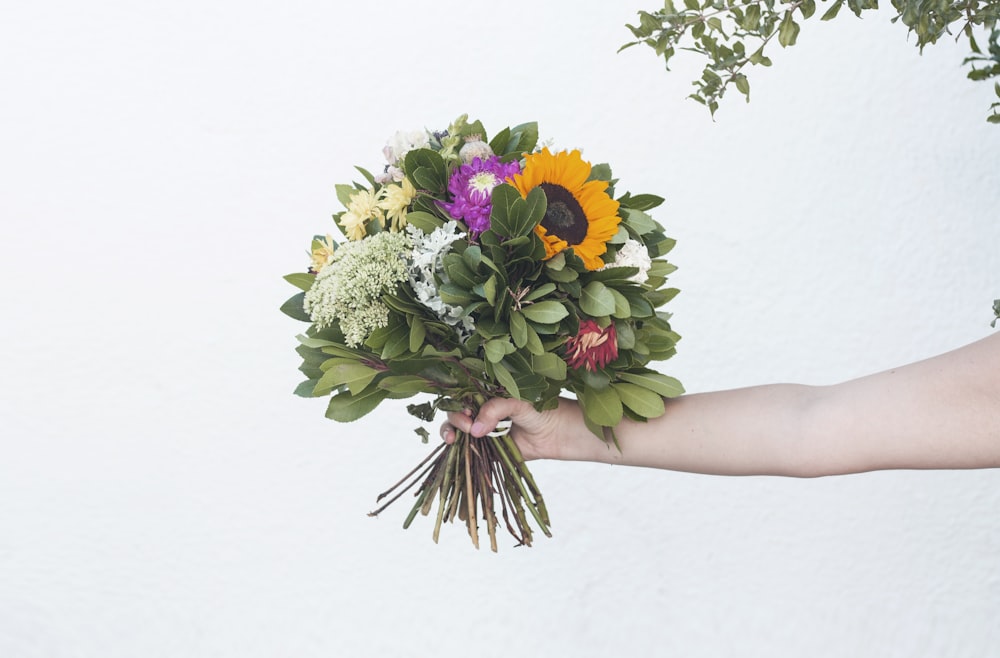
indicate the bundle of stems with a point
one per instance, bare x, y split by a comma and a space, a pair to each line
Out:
466, 478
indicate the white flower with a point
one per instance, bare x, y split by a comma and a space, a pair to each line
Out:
390, 175
403, 142
348, 290
633, 254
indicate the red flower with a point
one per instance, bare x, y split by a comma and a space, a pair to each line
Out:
593, 347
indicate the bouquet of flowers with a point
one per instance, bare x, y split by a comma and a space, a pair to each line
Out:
476, 268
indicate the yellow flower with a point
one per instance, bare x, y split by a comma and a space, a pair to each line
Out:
396, 200
362, 208
322, 252
580, 214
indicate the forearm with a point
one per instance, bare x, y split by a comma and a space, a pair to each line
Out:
940, 413
748, 431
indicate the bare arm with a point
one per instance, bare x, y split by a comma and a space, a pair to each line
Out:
940, 413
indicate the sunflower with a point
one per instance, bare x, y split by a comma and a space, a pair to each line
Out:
580, 215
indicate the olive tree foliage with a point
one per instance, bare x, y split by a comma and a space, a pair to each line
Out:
731, 34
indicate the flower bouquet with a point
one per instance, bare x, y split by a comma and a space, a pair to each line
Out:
476, 268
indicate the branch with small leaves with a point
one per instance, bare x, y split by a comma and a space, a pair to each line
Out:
730, 34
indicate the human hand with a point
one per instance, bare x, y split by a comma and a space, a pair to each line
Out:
551, 434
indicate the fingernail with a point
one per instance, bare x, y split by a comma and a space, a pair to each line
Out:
478, 429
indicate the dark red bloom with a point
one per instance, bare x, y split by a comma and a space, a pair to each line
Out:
592, 347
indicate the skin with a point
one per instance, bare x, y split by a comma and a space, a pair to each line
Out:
941, 413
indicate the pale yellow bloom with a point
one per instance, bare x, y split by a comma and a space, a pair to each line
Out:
322, 252
395, 201
362, 208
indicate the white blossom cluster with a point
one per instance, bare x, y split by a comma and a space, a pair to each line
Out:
348, 289
633, 254
396, 149
427, 267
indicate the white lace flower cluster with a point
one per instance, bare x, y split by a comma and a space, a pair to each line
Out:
633, 254
429, 251
348, 289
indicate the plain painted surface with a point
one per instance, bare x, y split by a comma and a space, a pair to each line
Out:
162, 493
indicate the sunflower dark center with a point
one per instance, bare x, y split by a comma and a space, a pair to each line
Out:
564, 217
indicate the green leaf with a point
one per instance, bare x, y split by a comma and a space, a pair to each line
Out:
424, 221
601, 407
399, 386
345, 407
305, 389
505, 379
788, 31
549, 365
472, 257
397, 342
534, 343
523, 138
344, 193
663, 385
622, 309
490, 290
417, 334
518, 329
301, 280
545, 312
496, 349
500, 141
832, 12
642, 401
640, 222
356, 376
597, 300
294, 308
433, 174
642, 201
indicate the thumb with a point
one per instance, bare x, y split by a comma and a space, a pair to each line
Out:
494, 411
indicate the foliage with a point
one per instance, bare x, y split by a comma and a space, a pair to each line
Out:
732, 34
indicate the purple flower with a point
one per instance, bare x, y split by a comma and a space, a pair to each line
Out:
471, 186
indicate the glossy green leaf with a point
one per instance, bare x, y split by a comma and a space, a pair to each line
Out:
642, 401
418, 332
355, 376
545, 312
597, 300
345, 407
293, 308
505, 379
602, 407
301, 280
660, 384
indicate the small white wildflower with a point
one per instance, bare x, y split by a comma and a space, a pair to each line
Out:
633, 254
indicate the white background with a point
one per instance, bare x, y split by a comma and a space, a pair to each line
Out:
162, 493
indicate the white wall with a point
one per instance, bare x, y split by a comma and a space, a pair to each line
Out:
162, 493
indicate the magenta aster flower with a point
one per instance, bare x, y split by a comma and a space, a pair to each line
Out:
592, 347
471, 186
